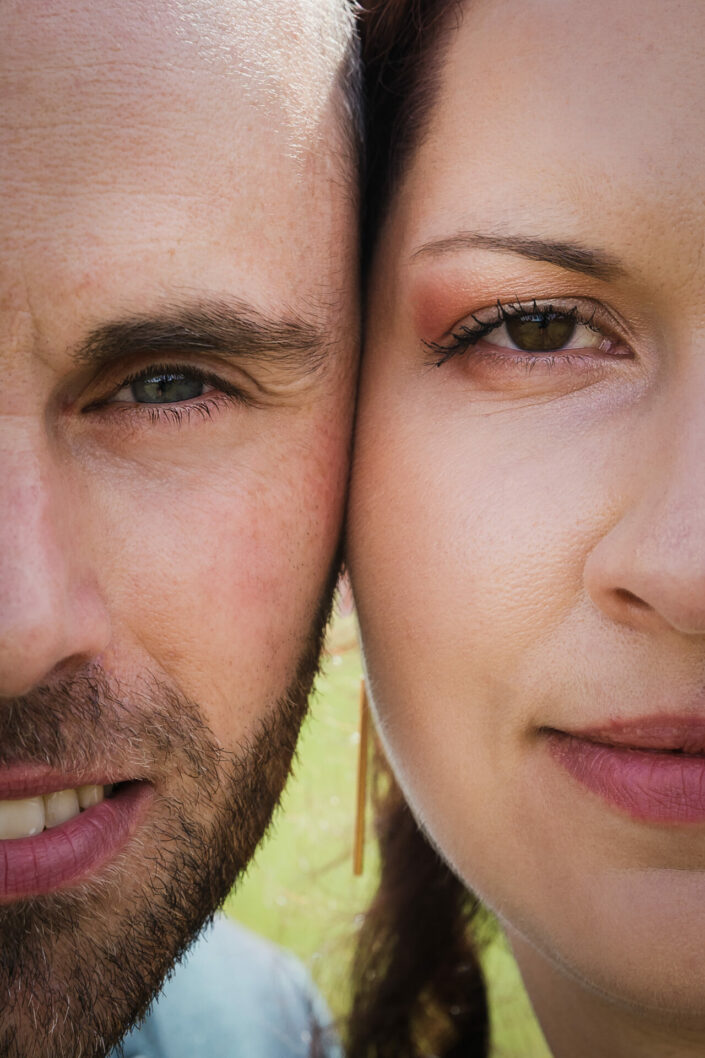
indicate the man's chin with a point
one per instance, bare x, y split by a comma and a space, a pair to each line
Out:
80, 965
75, 974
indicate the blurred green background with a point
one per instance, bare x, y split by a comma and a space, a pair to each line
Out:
301, 892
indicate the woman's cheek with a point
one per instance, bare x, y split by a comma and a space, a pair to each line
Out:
467, 555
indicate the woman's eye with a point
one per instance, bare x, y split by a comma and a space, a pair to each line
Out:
162, 387
541, 332
535, 334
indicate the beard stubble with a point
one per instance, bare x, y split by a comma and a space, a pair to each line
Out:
79, 967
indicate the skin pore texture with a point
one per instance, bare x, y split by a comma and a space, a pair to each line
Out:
179, 342
526, 527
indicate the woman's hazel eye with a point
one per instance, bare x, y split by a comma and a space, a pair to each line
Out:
162, 388
540, 333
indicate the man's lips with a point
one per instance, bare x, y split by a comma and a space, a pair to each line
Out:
30, 780
652, 768
74, 850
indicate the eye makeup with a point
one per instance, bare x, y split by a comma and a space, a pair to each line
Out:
533, 329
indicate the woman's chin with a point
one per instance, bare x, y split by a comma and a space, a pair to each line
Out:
638, 945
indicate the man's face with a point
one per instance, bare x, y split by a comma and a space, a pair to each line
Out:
178, 337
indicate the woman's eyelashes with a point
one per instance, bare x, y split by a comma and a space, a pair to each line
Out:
171, 392
533, 334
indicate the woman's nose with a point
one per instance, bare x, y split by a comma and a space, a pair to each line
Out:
51, 615
648, 570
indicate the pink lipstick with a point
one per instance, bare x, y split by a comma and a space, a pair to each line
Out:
653, 768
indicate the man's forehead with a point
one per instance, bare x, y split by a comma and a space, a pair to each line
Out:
161, 142
278, 56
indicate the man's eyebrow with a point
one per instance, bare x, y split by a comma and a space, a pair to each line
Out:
575, 258
229, 329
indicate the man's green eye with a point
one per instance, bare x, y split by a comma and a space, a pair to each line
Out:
166, 388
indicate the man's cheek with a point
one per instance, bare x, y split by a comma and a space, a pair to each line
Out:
217, 586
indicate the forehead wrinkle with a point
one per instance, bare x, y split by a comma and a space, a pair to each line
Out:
288, 53
234, 57
127, 142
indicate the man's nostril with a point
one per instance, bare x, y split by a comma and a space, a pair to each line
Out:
632, 600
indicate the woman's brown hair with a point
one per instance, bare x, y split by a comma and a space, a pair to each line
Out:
418, 987
402, 50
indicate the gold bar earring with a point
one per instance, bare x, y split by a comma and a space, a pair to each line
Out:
361, 799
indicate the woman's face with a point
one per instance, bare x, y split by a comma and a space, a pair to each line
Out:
527, 534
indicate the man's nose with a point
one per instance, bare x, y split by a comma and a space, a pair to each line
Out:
648, 571
52, 619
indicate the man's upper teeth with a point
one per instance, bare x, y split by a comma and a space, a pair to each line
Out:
29, 816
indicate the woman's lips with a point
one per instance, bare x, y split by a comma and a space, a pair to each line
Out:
652, 769
69, 853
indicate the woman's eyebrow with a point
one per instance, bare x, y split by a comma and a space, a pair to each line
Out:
576, 258
229, 329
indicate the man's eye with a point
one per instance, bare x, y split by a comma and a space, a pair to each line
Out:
170, 393
162, 387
